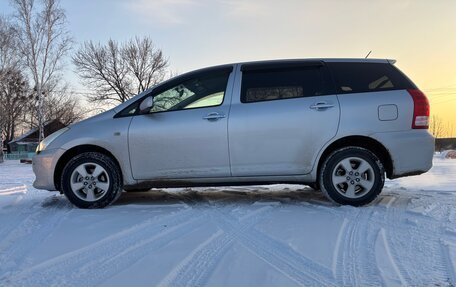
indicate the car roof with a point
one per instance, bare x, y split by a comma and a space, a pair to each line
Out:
326, 60
295, 61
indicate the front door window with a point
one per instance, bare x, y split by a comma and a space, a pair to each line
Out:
199, 92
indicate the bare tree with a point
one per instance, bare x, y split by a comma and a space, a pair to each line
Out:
43, 41
59, 105
8, 52
13, 98
449, 129
437, 127
116, 71
145, 62
103, 69
8, 59
64, 107
2, 121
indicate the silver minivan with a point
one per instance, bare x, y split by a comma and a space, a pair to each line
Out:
339, 125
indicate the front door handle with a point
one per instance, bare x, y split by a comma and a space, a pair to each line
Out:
214, 116
321, 106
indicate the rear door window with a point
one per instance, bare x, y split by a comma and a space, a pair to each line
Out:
368, 77
282, 83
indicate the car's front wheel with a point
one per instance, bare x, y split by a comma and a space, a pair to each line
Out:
91, 180
352, 175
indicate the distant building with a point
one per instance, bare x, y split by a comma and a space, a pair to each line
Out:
445, 144
29, 140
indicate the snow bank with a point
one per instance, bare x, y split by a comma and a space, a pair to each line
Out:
450, 154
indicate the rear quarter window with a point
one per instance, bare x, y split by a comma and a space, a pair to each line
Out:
368, 77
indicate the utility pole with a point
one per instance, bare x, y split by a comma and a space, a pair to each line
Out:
1, 144
40, 113
1, 134
2, 114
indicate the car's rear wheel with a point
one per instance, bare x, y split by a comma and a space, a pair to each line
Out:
352, 175
91, 180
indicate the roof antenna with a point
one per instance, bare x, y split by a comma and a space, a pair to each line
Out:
368, 54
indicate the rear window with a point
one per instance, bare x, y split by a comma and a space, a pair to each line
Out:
284, 83
368, 77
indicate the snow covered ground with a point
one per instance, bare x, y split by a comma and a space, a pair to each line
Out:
282, 235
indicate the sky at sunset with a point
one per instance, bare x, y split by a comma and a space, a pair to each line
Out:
420, 35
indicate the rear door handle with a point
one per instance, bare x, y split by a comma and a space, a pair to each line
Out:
214, 116
321, 106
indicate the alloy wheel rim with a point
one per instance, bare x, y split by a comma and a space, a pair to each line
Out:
353, 177
89, 181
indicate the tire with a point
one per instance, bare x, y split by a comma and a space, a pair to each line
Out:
91, 180
352, 176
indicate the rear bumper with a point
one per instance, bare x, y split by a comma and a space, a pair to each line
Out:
411, 151
43, 166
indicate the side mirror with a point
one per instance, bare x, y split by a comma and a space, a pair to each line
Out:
146, 105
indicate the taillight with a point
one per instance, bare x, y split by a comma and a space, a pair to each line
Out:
420, 109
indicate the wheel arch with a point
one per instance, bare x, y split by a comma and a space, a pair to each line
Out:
364, 142
72, 152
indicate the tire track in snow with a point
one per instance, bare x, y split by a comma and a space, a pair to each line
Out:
345, 267
295, 266
28, 213
337, 249
410, 242
197, 267
40, 223
301, 270
97, 262
367, 270
401, 229
14, 190
351, 266
451, 267
355, 260
354, 256
384, 241
10, 219
26, 206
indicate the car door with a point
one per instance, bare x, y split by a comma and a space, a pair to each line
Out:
281, 115
184, 135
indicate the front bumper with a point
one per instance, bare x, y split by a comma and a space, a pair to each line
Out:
44, 165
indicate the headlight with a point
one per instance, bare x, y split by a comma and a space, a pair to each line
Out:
47, 141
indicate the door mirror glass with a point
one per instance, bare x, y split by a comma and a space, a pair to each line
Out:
146, 105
